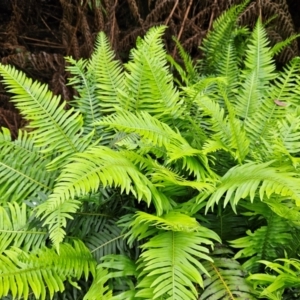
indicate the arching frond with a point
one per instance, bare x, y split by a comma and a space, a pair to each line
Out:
159, 134
253, 179
43, 272
98, 165
55, 128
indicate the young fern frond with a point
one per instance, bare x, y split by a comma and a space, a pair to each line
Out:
16, 230
259, 71
149, 84
212, 45
55, 129
97, 81
43, 272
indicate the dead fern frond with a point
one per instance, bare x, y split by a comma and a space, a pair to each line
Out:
164, 8
135, 11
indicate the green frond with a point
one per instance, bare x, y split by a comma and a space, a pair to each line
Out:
97, 81
174, 273
86, 172
283, 92
16, 230
188, 72
253, 179
285, 209
173, 220
285, 87
148, 81
227, 278
55, 215
278, 47
18, 179
54, 127
99, 289
226, 223
258, 56
110, 240
159, 134
43, 272
258, 72
228, 68
263, 243
284, 273
120, 267
228, 130
213, 44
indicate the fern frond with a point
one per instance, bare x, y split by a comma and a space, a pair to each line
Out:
97, 81
16, 231
215, 40
159, 134
251, 179
98, 165
278, 47
18, 179
43, 272
55, 128
263, 243
228, 131
259, 71
119, 266
227, 278
270, 284
285, 87
149, 84
175, 271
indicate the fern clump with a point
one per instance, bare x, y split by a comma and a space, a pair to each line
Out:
130, 192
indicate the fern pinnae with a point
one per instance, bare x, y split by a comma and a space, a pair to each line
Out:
54, 126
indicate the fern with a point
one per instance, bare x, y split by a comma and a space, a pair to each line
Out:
250, 178
18, 179
149, 85
55, 128
227, 278
265, 242
272, 286
43, 271
16, 230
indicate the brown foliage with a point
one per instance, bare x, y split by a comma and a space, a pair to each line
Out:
35, 35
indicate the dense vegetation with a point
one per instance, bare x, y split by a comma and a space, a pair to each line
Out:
153, 185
